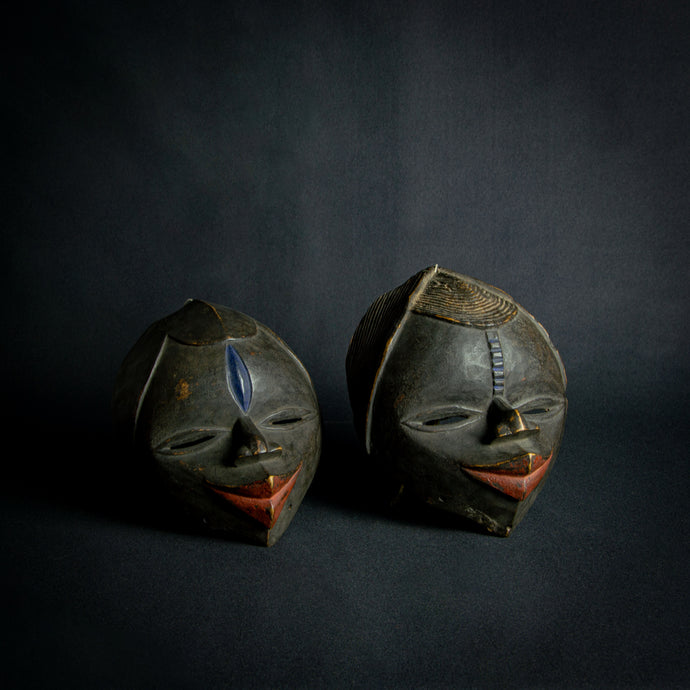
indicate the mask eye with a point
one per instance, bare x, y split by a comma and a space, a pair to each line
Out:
446, 421
191, 443
287, 418
186, 442
440, 420
537, 410
284, 421
541, 408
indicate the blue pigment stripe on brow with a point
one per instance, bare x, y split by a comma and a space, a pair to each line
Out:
497, 370
237, 376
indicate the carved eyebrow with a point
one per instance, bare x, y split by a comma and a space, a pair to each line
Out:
237, 377
497, 367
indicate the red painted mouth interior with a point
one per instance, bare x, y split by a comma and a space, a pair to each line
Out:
516, 478
262, 500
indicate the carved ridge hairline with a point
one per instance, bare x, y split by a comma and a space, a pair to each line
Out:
146, 386
421, 285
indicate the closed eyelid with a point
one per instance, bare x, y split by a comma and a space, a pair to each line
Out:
288, 417
444, 410
541, 408
540, 402
190, 440
442, 419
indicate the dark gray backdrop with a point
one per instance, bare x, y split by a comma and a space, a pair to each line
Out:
293, 161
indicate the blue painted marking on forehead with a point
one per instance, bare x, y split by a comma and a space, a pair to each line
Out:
237, 376
497, 367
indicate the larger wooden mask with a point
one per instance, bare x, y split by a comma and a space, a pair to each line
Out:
458, 396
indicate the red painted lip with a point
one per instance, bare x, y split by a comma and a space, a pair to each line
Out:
516, 477
262, 500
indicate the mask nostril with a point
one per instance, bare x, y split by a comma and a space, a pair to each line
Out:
505, 422
242, 459
254, 445
512, 423
259, 445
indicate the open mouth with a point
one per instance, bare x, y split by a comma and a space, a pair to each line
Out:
262, 500
516, 477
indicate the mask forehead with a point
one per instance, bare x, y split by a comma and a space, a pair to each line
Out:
277, 376
532, 366
435, 362
210, 385
437, 365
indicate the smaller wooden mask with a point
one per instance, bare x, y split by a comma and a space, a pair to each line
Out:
226, 414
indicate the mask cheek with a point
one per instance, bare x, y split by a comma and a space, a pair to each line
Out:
300, 444
447, 447
183, 478
550, 433
181, 472
423, 460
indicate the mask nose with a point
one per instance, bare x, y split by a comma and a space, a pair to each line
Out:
504, 422
248, 444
